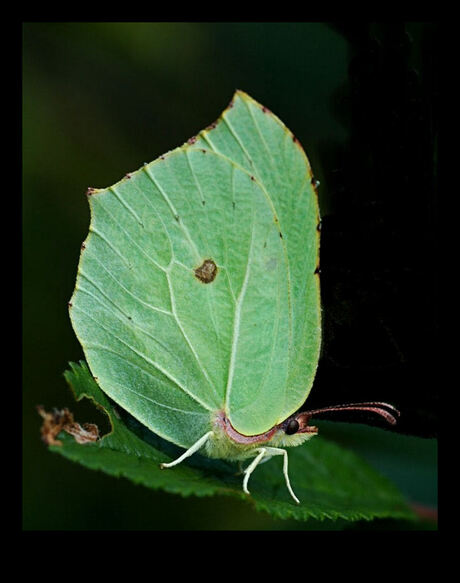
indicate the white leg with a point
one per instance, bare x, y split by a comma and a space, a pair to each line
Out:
252, 466
195, 447
276, 451
240, 464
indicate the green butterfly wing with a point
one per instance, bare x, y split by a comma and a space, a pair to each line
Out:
196, 289
249, 134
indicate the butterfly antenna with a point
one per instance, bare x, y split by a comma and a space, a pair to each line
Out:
376, 407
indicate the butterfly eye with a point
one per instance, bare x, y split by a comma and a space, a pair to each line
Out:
292, 427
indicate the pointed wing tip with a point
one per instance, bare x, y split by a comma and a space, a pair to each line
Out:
239, 93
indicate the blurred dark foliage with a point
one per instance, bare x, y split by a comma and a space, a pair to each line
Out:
379, 242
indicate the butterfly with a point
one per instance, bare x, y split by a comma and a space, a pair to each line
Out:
197, 300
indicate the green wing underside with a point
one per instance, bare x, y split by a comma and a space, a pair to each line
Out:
171, 349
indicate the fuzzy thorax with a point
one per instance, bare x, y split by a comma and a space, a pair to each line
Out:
226, 443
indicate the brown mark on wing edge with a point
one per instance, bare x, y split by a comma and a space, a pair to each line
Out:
207, 271
315, 182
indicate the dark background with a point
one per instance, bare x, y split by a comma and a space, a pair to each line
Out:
100, 99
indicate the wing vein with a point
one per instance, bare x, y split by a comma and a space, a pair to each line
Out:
117, 281
157, 265
107, 349
166, 373
175, 214
237, 138
126, 205
210, 300
156, 213
236, 321
272, 206
132, 322
184, 334
109, 244
262, 139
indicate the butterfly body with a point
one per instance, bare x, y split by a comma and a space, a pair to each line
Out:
227, 443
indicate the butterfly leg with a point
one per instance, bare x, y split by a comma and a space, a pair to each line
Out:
277, 451
251, 467
195, 447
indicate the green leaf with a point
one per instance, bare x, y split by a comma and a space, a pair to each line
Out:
330, 481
